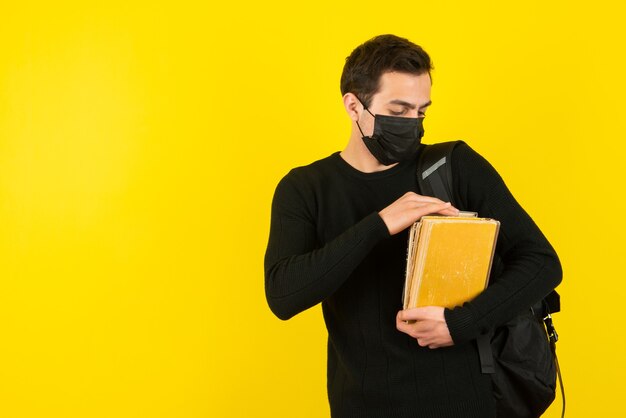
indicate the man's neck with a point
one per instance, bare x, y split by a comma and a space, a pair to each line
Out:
358, 156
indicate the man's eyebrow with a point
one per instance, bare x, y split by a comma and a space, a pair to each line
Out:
410, 105
428, 103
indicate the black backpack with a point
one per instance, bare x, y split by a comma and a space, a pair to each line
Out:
521, 354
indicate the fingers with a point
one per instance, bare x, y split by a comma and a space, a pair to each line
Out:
408, 325
427, 325
411, 207
403, 326
430, 208
451, 211
423, 313
420, 199
424, 333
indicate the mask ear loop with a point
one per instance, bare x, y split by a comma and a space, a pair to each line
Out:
360, 130
368, 111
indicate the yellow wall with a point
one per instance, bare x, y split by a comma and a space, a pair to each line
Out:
140, 145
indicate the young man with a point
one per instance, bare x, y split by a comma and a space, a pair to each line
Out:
339, 234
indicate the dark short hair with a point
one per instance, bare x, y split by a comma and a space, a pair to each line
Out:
381, 54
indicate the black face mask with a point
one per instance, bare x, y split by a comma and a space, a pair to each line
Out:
394, 139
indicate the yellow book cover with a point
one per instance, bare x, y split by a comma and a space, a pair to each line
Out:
448, 260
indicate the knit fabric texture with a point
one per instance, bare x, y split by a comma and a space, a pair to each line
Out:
329, 245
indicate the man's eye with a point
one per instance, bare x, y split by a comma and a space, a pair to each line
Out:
421, 114
396, 113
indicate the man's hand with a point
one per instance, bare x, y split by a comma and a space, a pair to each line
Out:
410, 208
429, 329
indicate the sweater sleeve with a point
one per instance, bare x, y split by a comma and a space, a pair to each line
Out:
299, 272
529, 268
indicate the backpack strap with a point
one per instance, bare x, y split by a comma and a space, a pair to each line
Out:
434, 178
434, 170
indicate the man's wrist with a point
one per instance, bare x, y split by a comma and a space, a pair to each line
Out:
461, 324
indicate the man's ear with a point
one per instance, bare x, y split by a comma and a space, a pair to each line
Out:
352, 105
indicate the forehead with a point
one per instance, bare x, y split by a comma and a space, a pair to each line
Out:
410, 88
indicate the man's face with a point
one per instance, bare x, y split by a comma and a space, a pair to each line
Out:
400, 94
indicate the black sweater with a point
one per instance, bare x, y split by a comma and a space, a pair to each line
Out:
328, 244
